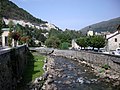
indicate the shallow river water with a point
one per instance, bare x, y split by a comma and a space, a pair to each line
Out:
76, 76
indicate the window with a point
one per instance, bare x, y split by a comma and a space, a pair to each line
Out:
115, 39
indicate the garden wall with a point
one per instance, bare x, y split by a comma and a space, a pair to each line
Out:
12, 64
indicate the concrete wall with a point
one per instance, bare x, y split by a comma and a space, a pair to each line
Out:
97, 59
12, 63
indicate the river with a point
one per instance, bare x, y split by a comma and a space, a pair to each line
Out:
71, 75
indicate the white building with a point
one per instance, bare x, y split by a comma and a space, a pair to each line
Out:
74, 45
4, 37
113, 40
90, 33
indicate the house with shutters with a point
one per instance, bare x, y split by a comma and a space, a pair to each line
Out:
113, 40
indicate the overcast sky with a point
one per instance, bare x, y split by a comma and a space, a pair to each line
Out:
72, 14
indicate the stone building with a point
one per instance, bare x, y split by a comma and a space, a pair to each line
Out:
113, 40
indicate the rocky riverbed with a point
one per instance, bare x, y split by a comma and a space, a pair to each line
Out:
66, 74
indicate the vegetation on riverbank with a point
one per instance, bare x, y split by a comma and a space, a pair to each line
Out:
33, 70
36, 69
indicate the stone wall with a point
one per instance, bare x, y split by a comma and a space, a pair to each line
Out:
12, 63
98, 59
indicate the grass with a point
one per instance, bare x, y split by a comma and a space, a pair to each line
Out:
38, 66
33, 69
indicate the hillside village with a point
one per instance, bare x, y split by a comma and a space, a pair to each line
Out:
46, 25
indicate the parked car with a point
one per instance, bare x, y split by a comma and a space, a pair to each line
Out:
117, 52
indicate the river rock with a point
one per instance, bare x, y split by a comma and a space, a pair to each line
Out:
59, 75
49, 81
64, 76
67, 82
116, 83
39, 79
80, 80
45, 75
43, 87
59, 70
87, 82
50, 76
93, 80
51, 87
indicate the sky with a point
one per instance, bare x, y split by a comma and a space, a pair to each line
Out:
71, 14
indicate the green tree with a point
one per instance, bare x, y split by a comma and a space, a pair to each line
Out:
65, 45
41, 38
82, 42
52, 42
0, 26
1, 20
97, 42
38, 35
11, 27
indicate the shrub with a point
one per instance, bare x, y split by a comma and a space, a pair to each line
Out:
106, 66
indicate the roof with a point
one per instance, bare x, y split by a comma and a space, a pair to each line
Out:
113, 35
5, 29
118, 28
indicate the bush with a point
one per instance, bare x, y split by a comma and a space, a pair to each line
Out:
65, 45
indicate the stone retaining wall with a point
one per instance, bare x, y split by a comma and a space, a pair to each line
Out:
12, 63
98, 59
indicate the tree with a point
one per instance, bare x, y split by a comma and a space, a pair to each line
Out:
41, 38
0, 26
65, 45
39, 35
97, 42
11, 26
24, 39
15, 36
82, 42
1, 22
52, 42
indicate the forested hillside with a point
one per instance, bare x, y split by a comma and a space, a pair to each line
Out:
12, 11
109, 25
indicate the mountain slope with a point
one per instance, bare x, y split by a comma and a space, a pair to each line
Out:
109, 25
12, 11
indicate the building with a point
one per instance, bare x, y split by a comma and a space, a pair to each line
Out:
90, 33
4, 37
74, 45
102, 33
113, 40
